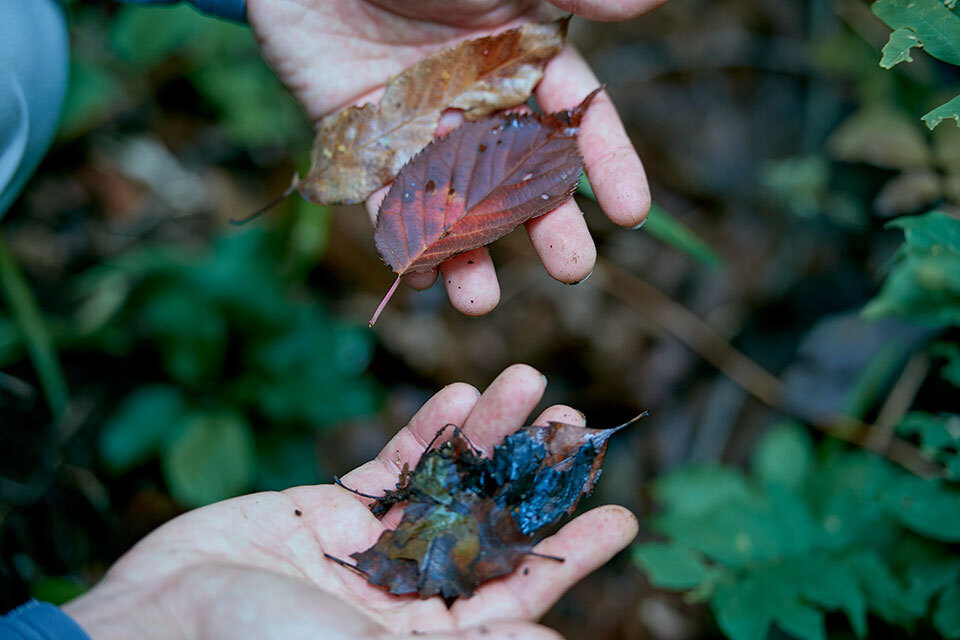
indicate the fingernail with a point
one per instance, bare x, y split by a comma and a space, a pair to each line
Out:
642, 222
544, 379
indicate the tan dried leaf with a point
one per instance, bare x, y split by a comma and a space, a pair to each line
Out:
362, 148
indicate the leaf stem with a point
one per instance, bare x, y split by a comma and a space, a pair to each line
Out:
386, 299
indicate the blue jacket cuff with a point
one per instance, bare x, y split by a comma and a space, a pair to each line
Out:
230, 9
40, 621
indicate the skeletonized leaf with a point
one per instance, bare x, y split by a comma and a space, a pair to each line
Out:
475, 185
361, 148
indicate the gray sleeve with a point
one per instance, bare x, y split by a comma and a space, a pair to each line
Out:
33, 80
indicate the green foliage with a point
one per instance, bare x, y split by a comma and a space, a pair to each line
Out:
238, 348
945, 111
939, 437
931, 24
137, 428
897, 49
218, 58
924, 280
936, 26
209, 457
950, 352
808, 532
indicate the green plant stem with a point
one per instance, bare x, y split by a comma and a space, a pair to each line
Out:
30, 321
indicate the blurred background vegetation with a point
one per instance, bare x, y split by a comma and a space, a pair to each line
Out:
788, 315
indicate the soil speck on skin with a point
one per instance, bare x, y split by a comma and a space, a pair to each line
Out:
297, 512
484, 631
526, 571
469, 261
471, 302
417, 632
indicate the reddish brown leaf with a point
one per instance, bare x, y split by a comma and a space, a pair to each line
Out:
360, 149
475, 185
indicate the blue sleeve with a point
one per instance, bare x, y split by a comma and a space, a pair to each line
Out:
33, 79
39, 621
230, 9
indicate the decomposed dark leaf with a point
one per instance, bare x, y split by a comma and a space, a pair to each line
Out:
543, 471
475, 185
360, 149
469, 519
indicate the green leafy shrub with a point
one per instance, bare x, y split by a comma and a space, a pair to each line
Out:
809, 531
236, 352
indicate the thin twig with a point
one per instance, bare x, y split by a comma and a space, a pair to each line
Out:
545, 556
898, 402
691, 330
337, 482
270, 205
686, 326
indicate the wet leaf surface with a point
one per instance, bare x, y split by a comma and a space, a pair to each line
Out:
360, 149
469, 519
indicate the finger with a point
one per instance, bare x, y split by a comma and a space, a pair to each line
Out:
611, 162
504, 405
471, 282
563, 243
498, 629
585, 544
561, 413
450, 405
607, 10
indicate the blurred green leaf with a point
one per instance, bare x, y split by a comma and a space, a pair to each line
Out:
946, 617
32, 327
146, 36
57, 590
93, 94
137, 428
928, 507
663, 226
784, 456
254, 107
949, 351
190, 331
11, 343
937, 26
783, 546
897, 49
924, 281
696, 489
210, 458
939, 437
285, 460
670, 566
949, 109
313, 372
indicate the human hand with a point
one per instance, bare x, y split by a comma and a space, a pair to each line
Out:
335, 54
254, 567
